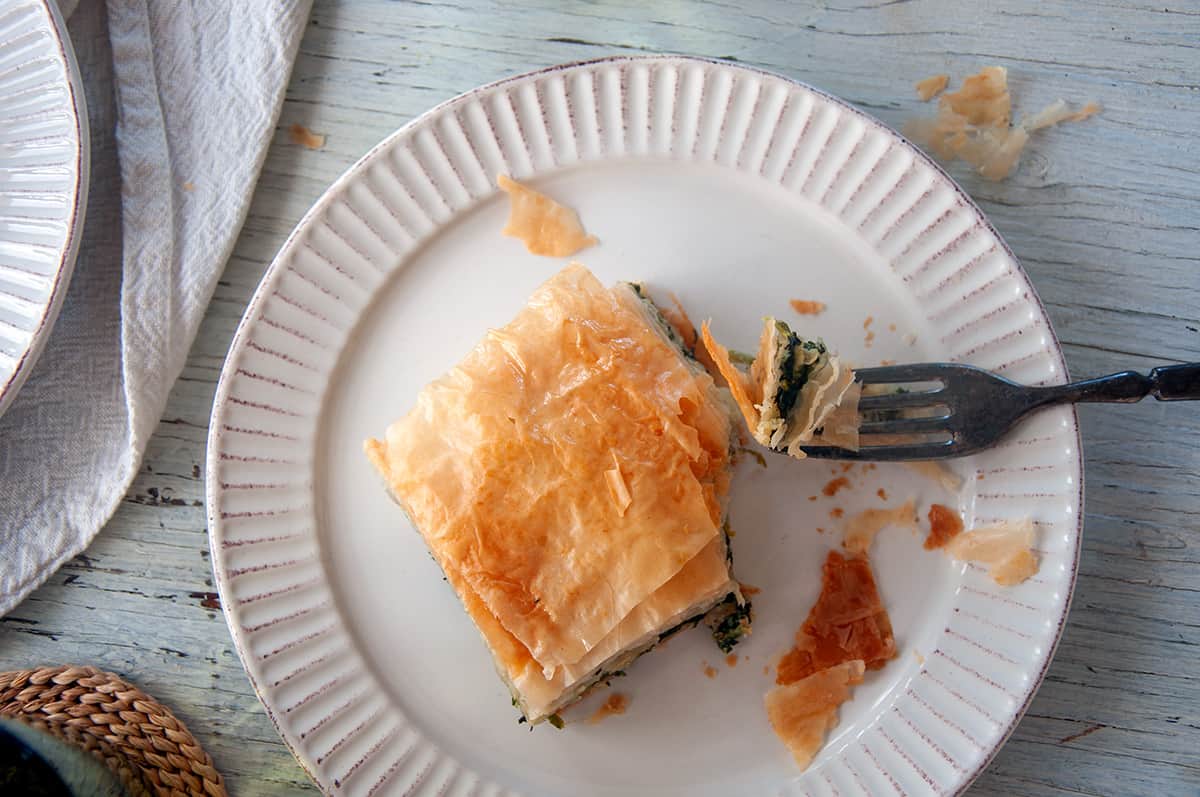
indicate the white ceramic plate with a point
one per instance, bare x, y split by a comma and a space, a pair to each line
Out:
43, 180
737, 190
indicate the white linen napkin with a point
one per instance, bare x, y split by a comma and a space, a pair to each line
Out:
195, 87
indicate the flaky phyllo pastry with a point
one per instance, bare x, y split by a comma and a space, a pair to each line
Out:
570, 478
796, 392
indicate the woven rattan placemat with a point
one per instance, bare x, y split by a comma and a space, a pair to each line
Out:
132, 733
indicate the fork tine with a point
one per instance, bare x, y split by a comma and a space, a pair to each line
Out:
915, 451
830, 452
894, 401
913, 372
888, 453
925, 425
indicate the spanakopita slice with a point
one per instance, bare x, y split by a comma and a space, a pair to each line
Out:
570, 477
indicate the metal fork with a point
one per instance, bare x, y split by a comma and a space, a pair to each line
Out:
969, 409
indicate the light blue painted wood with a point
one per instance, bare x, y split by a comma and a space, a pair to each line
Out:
1104, 215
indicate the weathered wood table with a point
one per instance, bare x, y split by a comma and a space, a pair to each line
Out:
1104, 215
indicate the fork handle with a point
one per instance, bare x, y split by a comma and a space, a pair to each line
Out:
1176, 382
1165, 383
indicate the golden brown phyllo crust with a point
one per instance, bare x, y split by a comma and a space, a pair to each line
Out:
569, 476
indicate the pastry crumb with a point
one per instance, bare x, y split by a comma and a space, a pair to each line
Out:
932, 86
807, 307
617, 703
944, 525
304, 137
974, 124
847, 622
833, 485
803, 712
731, 660
882, 493
1006, 549
836, 512
545, 227
188, 186
862, 528
710, 670
847, 632
1057, 112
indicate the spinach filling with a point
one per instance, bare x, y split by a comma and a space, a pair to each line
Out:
795, 369
664, 325
691, 622
730, 622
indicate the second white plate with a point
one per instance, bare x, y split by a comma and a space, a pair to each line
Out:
43, 181
737, 190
